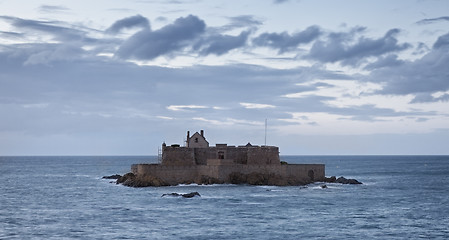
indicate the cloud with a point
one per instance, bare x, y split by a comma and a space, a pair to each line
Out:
256, 105
11, 35
52, 8
242, 21
442, 41
147, 44
427, 74
428, 98
433, 20
55, 52
221, 44
280, 1
129, 22
385, 61
344, 48
53, 28
184, 107
228, 121
284, 42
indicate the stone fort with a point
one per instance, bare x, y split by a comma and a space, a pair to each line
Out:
197, 162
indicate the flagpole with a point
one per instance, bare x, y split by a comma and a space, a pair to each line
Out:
265, 132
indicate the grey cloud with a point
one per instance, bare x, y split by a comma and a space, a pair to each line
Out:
161, 19
427, 74
129, 22
53, 28
52, 8
421, 48
428, 98
432, 20
286, 42
147, 44
387, 61
421, 119
280, 1
119, 99
243, 21
339, 47
442, 41
55, 52
221, 44
13, 35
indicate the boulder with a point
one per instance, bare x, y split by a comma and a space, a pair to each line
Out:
344, 180
132, 180
187, 195
191, 195
171, 194
330, 179
116, 176
124, 178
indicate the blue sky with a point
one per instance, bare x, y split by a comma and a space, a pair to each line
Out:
120, 77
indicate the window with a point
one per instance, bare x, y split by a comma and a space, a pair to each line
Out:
196, 140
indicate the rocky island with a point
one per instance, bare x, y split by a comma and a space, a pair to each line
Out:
199, 163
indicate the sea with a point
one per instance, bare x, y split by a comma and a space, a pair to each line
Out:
402, 197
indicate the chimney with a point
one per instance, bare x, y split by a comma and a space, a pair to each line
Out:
188, 137
202, 133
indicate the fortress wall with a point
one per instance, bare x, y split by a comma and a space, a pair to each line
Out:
238, 154
183, 174
303, 171
168, 173
178, 156
263, 155
201, 155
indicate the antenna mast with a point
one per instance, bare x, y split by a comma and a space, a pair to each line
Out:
265, 132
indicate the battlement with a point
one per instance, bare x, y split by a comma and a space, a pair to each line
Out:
198, 162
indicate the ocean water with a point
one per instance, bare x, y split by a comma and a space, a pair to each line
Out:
403, 197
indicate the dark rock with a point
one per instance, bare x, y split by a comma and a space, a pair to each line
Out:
263, 179
207, 180
191, 195
187, 195
323, 186
171, 194
126, 177
116, 176
344, 180
132, 180
237, 178
256, 179
330, 179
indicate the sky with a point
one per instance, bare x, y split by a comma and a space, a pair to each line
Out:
110, 77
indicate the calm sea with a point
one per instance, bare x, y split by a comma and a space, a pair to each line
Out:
403, 197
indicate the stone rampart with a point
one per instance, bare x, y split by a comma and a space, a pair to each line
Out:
179, 156
174, 175
251, 155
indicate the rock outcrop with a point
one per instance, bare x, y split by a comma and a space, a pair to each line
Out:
187, 195
132, 180
265, 179
341, 180
116, 176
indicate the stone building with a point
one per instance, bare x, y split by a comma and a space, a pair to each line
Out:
198, 152
197, 162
